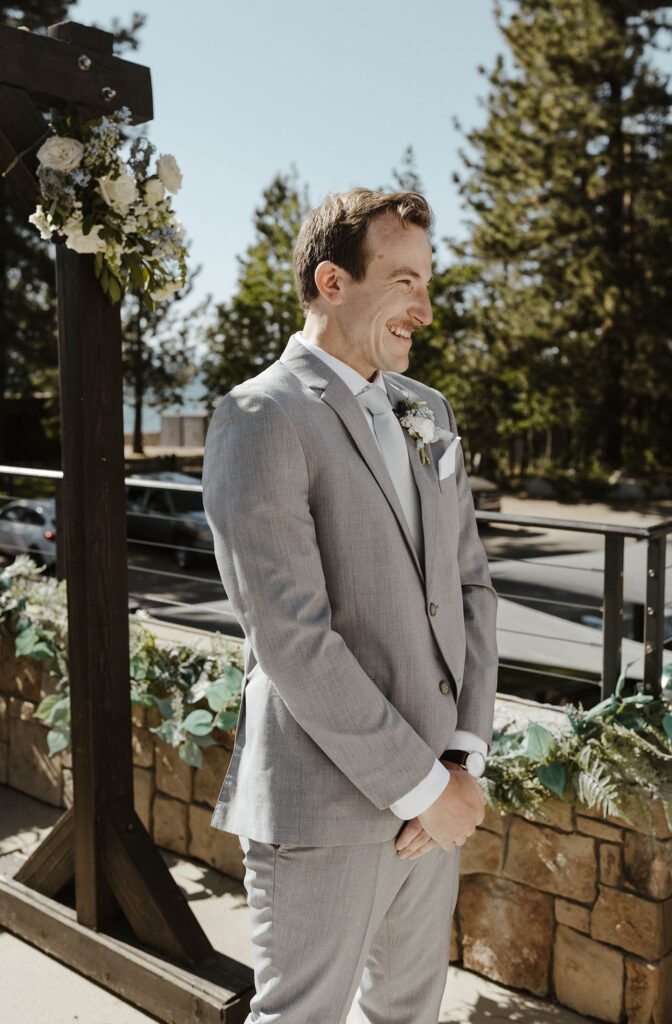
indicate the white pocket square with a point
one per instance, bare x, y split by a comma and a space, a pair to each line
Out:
446, 464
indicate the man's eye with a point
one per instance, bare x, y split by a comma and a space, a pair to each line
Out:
404, 281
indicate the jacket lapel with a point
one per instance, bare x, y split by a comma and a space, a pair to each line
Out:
337, 395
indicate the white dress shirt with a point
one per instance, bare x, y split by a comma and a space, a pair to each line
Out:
426, 792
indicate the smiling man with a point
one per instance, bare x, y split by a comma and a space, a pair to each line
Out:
346, 540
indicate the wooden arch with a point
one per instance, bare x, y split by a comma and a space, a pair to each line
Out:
120, 879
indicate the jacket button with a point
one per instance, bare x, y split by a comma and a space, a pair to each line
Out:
433, 608
444, 686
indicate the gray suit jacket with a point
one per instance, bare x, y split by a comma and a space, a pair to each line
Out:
350, 644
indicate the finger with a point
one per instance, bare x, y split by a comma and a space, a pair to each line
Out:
415, 843
409, 832
431, 844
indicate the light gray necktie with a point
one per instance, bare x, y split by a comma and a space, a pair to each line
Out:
390, 436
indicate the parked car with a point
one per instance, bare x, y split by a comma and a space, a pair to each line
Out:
173, 517
28, 527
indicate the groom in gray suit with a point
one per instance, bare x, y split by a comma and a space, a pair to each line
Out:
346, 540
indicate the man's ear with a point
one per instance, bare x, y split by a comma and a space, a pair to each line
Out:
329, 280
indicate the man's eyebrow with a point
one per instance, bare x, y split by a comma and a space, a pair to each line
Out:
408, 271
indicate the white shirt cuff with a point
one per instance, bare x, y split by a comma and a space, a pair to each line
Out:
463, 740
423, 795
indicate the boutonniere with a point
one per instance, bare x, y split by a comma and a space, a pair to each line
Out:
418, 420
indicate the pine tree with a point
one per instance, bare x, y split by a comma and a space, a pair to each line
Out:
568, 186
158, 352
251, 330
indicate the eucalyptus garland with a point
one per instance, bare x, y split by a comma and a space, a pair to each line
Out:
195, 694
615, 757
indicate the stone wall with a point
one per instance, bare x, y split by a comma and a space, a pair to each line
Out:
575, 907
173, 800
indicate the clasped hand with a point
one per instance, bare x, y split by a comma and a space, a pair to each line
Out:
449, 821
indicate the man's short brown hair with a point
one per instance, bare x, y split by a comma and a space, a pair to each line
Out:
336, 231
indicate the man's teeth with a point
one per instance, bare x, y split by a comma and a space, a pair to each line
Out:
399, 332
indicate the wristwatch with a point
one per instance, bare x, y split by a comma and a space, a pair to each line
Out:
471, 760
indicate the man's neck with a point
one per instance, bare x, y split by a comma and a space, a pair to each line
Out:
327, 335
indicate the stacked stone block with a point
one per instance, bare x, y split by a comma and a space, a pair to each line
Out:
576, 907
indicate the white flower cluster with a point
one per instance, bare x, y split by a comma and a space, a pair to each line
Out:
100, 204
420, 425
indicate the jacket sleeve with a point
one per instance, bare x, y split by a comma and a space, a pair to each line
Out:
256, 498
476, 705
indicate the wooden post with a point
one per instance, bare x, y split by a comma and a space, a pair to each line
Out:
101, 841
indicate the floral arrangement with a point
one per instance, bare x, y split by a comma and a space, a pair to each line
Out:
419, 422
117, 210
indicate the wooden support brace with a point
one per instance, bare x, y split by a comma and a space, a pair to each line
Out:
216, 994
52, 865
155, 907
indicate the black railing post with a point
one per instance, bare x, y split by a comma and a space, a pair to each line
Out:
612, 612
654, 617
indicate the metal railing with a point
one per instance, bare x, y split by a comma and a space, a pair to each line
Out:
609, 607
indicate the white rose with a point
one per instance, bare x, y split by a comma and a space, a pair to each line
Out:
119, 192
425, 428
60, 154
169, 172
167, 290
154, 192
40, 221
76, 239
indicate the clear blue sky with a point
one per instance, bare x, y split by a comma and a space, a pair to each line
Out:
243, 90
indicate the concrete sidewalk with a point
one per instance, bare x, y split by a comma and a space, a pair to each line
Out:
36, 989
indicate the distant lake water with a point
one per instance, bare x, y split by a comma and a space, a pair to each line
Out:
151, 416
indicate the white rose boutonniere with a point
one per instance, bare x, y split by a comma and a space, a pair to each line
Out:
169, 173
61, 154
418, 420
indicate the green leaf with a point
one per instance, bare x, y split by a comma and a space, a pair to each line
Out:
198, 722
43, 709
169, 732
667, 725
30, 643
553, 776
138, 666
57, 739
540, 742
219, 694
226, 720
190, 752
115, 289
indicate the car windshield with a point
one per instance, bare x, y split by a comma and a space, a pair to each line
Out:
187, 501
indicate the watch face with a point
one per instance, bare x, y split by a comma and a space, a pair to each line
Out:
475, 764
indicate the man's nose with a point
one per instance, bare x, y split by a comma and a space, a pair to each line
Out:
421, 311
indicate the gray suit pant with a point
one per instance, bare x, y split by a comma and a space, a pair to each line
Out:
328, 919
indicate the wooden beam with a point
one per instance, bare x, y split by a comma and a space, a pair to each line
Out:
22, 126
52, 865
94, 535
49, 68
216, 994
155, 907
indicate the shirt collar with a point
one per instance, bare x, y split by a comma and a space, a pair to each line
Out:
353, 378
